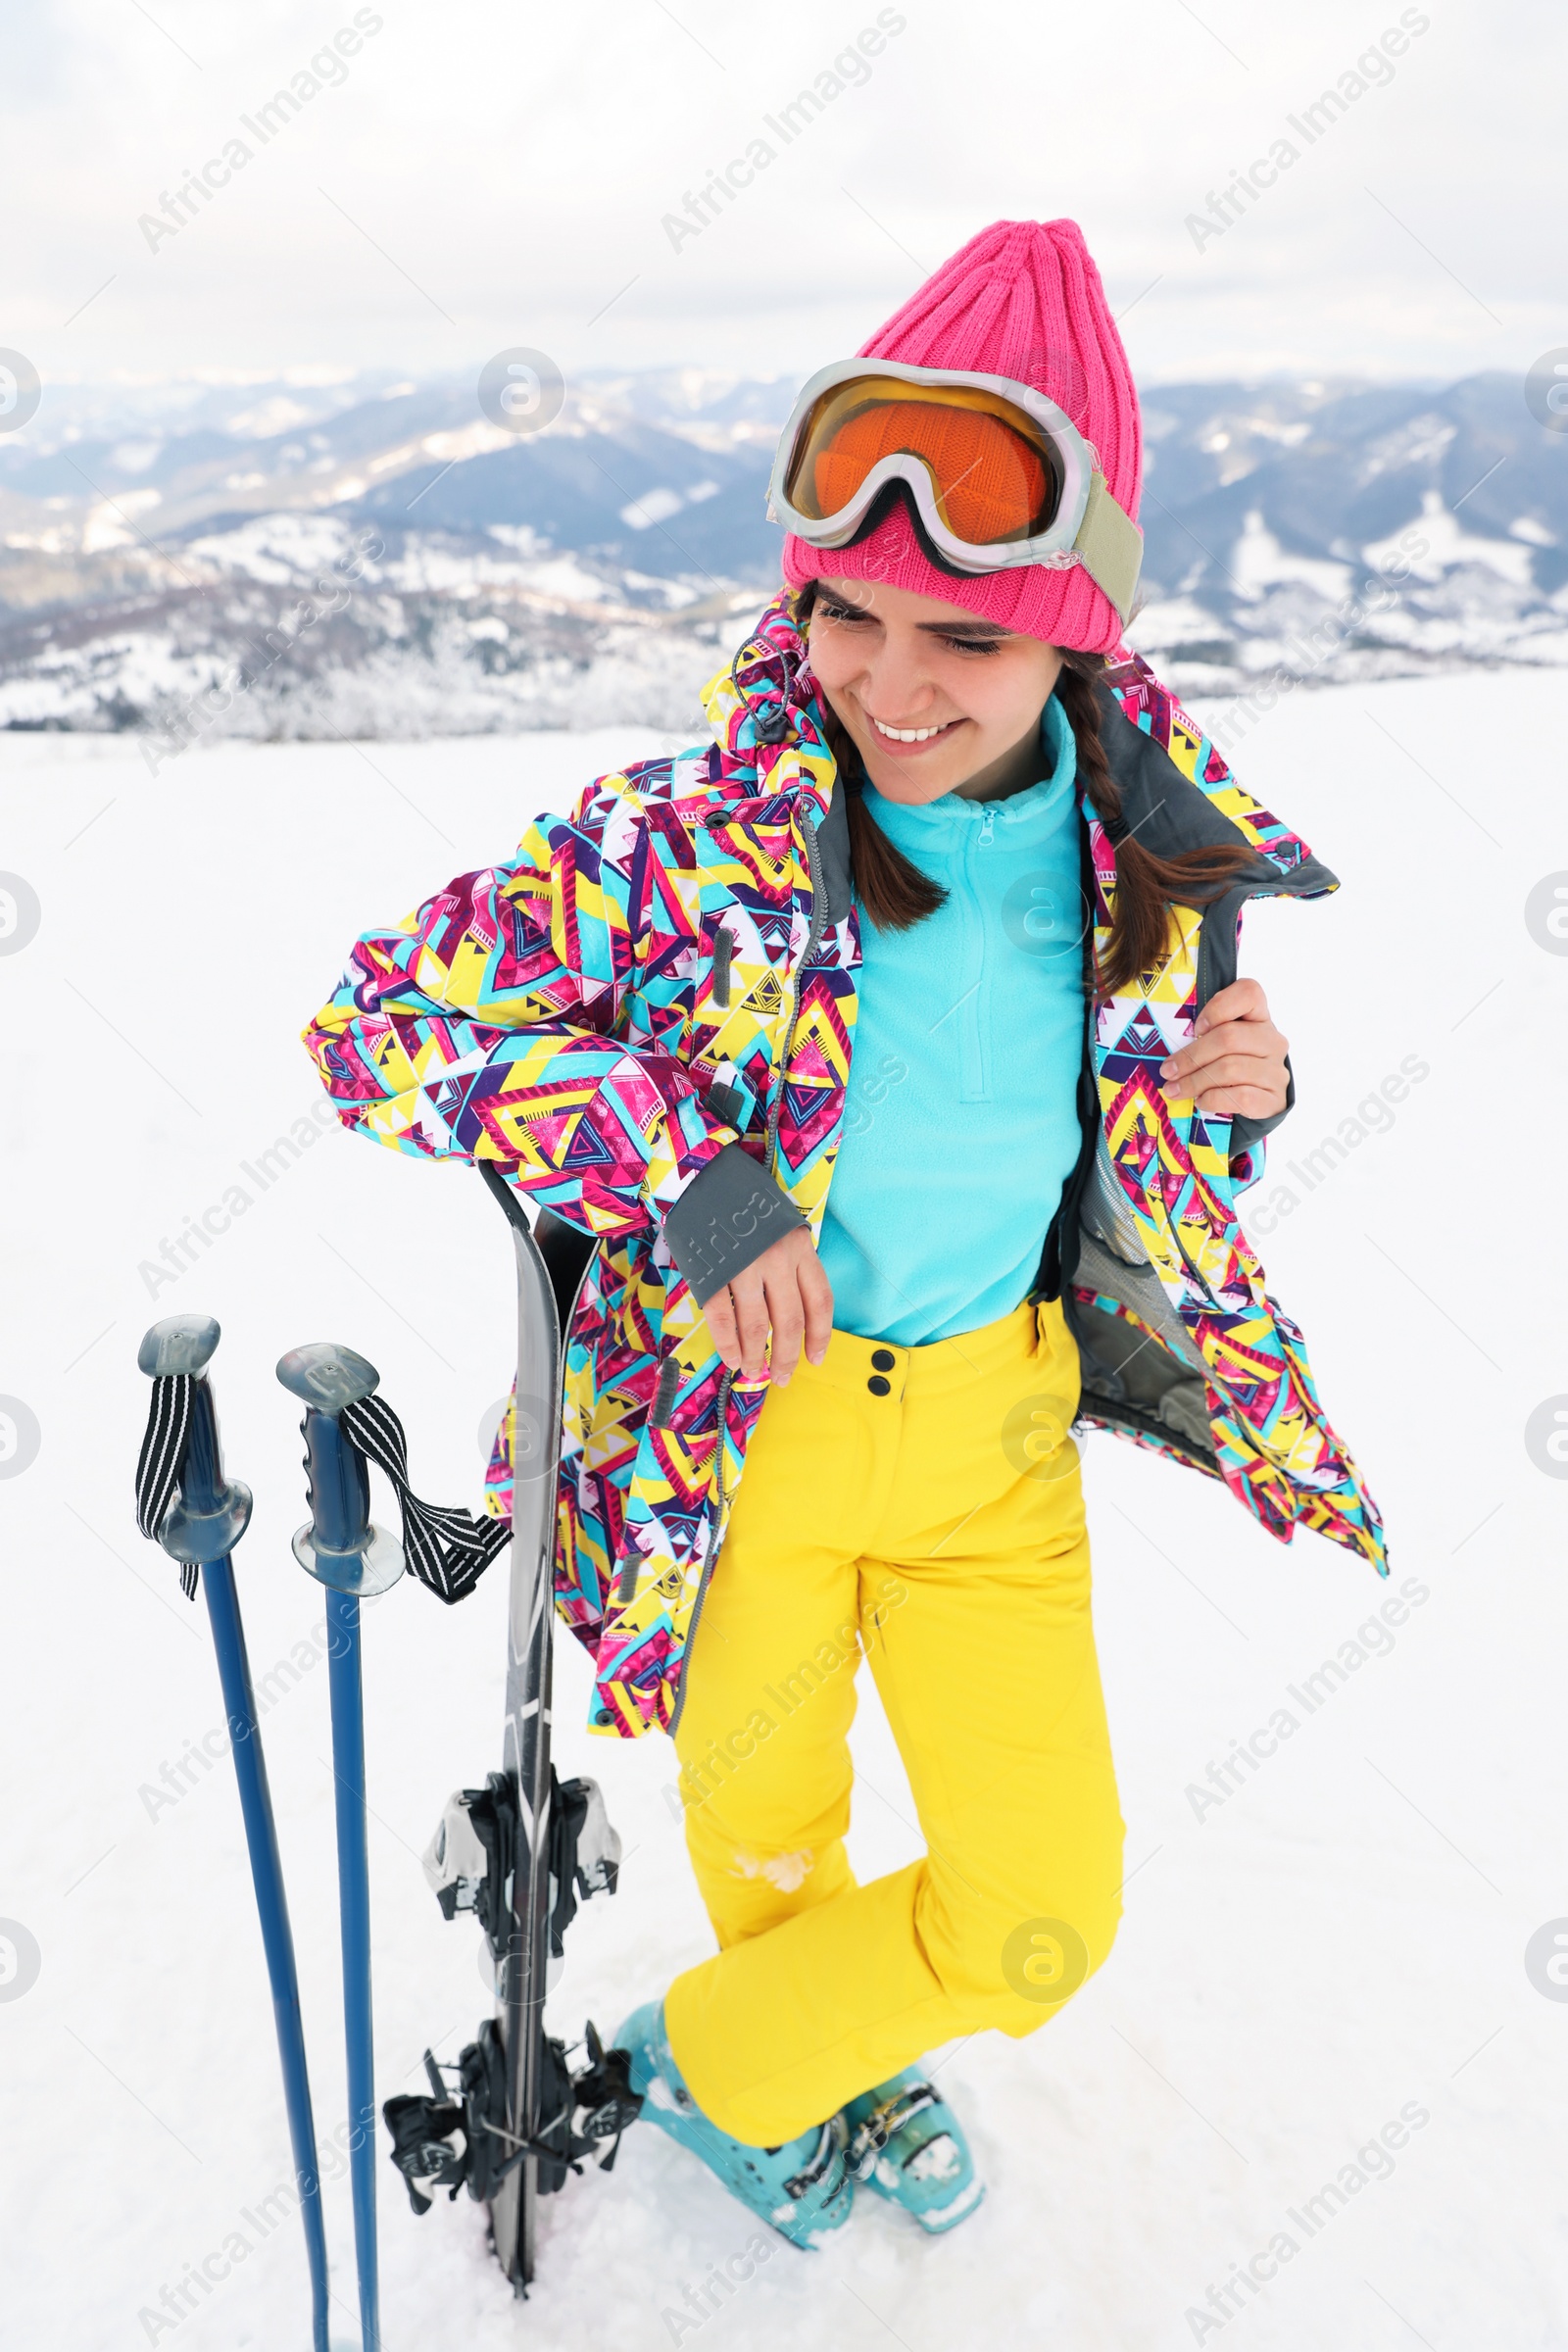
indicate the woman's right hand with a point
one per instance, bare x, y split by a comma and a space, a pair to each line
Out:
784, 1291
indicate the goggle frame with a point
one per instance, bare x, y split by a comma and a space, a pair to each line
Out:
1088, 528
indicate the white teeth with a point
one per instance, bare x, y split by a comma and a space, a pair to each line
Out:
905, 734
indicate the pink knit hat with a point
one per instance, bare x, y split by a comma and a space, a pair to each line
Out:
1024, 300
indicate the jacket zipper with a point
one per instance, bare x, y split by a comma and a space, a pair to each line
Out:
813, 934
1072, 1195
974, 1006
1232, 908
1104, 1408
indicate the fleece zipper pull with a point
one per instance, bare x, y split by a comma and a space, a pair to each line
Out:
988, 818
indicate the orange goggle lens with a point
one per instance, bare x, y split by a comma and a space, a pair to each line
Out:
991, 469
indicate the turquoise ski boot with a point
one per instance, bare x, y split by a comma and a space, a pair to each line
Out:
905, 2143
802, 2189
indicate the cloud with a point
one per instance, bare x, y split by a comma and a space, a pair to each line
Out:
485, 175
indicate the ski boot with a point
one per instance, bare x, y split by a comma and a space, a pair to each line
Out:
905, 2143
801, 2188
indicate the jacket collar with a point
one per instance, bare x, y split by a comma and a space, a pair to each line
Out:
767, 717
1177, 791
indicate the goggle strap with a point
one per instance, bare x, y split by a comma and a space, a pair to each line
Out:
1109, 546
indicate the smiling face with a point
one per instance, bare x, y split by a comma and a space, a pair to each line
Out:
934, 698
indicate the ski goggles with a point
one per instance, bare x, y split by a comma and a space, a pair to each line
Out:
995, 474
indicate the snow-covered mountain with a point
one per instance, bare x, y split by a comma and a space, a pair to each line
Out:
370, 558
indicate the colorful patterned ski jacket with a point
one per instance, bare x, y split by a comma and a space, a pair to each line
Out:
669, 971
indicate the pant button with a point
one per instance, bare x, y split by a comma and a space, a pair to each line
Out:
877, 1385
883, 1359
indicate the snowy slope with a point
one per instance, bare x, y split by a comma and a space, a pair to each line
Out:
1339, 1941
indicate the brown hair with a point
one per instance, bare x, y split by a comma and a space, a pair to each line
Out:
895, 894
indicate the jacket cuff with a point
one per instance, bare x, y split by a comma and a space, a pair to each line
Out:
730, 1212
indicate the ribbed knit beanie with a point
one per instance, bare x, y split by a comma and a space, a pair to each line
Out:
1023, 299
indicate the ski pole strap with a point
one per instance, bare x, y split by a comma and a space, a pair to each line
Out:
449, 1551
163, 1458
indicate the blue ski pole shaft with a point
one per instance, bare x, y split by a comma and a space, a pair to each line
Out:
343, 1551
209, 1515
278, 1942
354, 1900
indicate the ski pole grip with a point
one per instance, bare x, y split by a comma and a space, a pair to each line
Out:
327, 1377
210, 1512
180, 1343
340, 1547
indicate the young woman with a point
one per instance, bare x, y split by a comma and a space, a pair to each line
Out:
891, 1050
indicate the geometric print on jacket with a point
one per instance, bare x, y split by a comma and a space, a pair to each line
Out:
558, 1014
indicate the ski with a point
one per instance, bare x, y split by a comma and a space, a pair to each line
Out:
546, 1292
514, 2120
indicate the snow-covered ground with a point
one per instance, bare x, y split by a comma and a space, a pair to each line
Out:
1336, 1944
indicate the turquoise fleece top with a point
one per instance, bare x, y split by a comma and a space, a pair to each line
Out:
962, 1121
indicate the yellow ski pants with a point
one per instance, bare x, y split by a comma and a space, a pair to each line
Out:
921, 1505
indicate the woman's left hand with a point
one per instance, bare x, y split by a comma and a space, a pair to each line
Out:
1235, 1062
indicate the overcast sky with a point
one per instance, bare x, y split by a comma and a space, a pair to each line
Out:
490, 172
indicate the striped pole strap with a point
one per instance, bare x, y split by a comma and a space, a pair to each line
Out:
163, 1457
449, 1551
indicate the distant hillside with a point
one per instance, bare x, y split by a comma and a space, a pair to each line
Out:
156, 544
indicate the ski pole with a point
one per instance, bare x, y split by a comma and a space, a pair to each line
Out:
185, 1504
341, 1549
